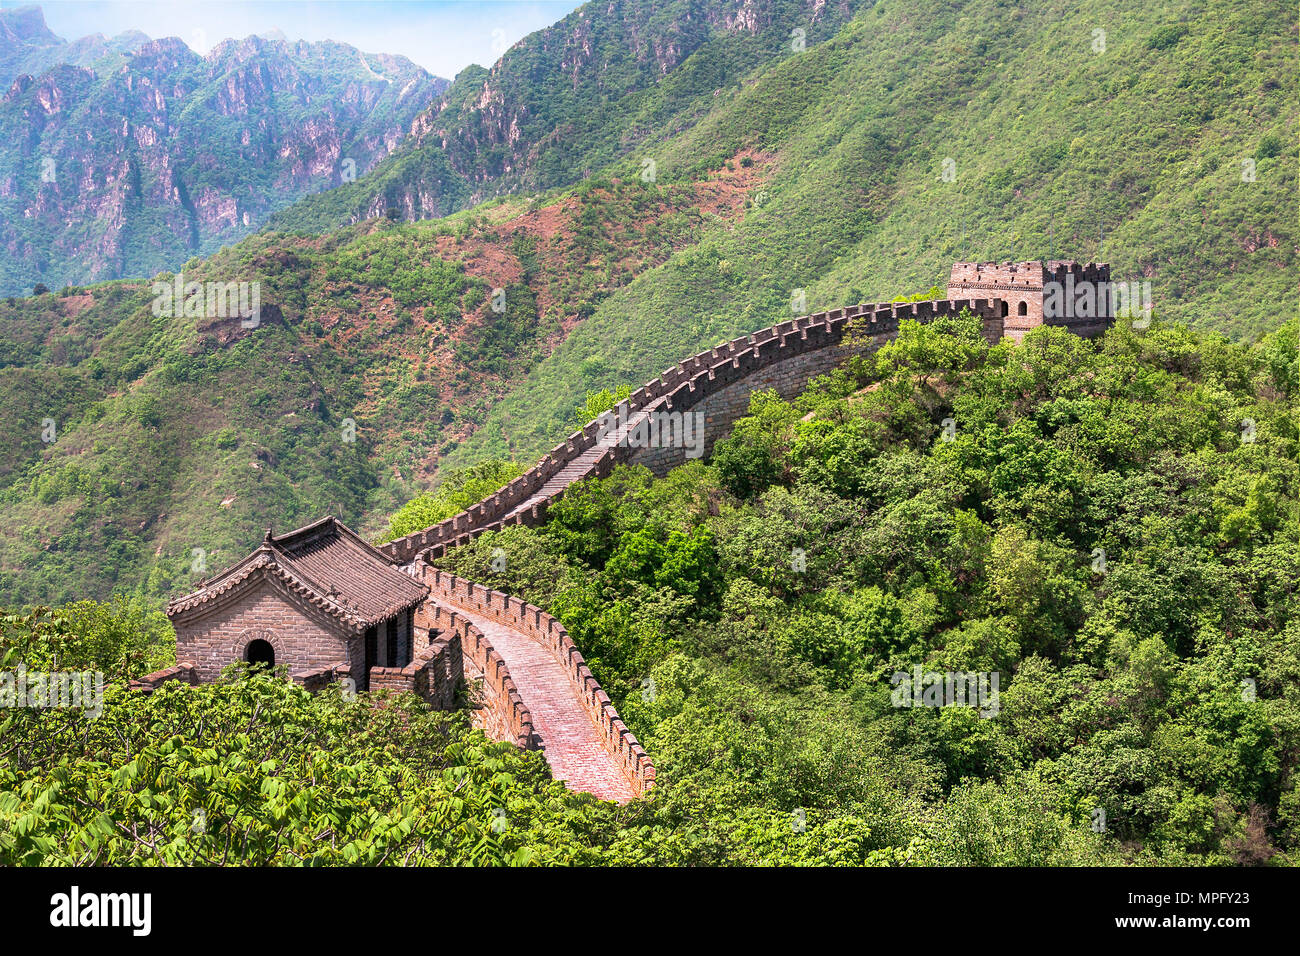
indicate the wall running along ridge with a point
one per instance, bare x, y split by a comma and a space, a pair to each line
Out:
717, 382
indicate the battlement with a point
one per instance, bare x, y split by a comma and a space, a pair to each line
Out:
1034, 293
1023, 275
1060, 269
990, 275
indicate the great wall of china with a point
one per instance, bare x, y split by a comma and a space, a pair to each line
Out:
716, 383
535, 689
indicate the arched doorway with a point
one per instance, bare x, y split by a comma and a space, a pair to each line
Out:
260, 652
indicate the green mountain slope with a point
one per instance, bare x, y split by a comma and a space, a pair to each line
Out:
1052, 143
378, 349
568, 100
1068, 636
1100, 535
818, 169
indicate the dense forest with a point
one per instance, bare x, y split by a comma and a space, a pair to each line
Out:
1107, 527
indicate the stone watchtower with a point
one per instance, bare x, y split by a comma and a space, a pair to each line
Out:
1057, 292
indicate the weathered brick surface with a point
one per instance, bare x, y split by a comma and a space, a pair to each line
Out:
185, 672
434, 674
318, 678
783, 356
302, 635
501, 711
312, 594
572, 746
585, 741
1018, 287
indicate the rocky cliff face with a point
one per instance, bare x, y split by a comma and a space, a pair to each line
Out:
568, 99
142, 159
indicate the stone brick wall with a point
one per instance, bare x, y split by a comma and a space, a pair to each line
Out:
185, 672
502, 713
724, 406
434, 674
618, 740
1021, 284
787, 355
786, 361
495, 507
440, 671
715, 384
318, 678
303, 638
405, 650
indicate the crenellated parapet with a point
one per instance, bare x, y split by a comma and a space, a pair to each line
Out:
503, 715
715, 382
1056, 292
451, 594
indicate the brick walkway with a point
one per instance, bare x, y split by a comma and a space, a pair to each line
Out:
572, 746
580, 467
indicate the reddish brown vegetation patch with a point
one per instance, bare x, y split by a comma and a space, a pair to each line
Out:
73, 305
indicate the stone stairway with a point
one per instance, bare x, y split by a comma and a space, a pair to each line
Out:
579, 468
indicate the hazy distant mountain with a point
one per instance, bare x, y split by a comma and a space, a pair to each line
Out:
28, 46
569, 99
124, 157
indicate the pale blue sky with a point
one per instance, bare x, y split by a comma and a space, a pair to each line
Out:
443, 36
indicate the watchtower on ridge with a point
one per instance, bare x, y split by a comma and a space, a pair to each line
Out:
1056, 292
